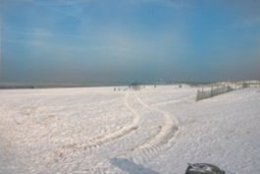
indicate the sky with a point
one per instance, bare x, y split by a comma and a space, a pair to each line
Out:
95, 42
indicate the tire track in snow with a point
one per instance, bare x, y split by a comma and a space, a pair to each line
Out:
96, 142
123, 131
155, 144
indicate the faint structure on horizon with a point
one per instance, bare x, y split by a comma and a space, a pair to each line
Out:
135, 86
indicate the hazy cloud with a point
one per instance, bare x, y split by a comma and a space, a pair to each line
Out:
112, 40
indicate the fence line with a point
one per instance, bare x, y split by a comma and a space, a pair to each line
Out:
218, 89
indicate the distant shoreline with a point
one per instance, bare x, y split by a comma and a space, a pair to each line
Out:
40, 86
14, 86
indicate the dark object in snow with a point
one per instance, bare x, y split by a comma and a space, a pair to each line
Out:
203, 168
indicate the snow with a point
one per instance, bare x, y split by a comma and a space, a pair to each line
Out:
154, 130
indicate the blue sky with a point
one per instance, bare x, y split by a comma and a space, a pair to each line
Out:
119, 41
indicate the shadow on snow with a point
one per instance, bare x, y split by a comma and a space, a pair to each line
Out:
131, 167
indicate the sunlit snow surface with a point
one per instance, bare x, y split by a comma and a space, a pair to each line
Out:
154, 130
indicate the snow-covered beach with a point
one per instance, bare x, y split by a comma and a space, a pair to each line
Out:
153, 130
